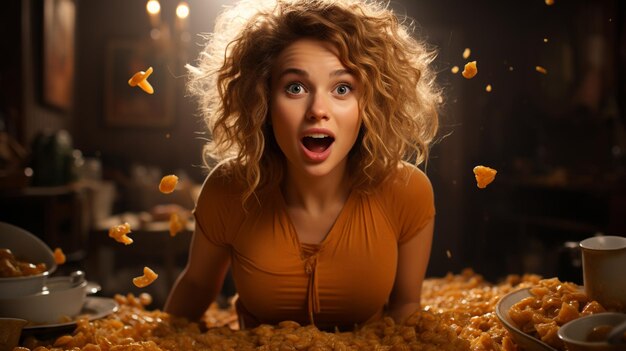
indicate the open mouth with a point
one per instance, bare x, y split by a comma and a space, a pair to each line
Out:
317, 142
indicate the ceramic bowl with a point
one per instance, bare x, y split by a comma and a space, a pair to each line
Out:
575, 334
26, 247
62, 297
526, 341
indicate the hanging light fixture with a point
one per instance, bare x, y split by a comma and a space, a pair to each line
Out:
182, 10
153, 7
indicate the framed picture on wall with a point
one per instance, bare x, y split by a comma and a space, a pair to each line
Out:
127, 106
59, 20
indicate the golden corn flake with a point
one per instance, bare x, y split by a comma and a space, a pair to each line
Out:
145, 299
454, 70
146, 279
470, 70
466, 53
488, 88
119, 233
552, 304
141, 79
484, 176
541, 70
177, 224
59, 256
168, 184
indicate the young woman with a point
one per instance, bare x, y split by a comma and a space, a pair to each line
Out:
315, 108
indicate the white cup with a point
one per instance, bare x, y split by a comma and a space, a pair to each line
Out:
604, 270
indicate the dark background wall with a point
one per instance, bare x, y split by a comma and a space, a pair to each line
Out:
557, 140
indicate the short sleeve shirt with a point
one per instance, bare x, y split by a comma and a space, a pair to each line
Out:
343, 281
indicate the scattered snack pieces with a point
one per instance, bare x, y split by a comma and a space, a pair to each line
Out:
470, 70
552, 304
177, 224
488, 88
484, 176
146, 279
466, 53
11, 266
457, 314
454, 70
119, 233
168, 184
541, 70
59, 256
145, 299
141, 79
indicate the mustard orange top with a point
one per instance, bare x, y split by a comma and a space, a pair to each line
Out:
343, 281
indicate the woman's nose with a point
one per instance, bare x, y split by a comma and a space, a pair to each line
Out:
318, 107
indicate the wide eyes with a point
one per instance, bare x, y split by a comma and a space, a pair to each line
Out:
341, 89
295, 89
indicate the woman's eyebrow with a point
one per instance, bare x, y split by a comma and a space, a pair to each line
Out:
339, 72
296, 71
301, 72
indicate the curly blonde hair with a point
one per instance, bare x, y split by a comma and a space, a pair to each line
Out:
231, 81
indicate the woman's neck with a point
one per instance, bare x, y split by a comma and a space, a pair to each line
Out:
314, 194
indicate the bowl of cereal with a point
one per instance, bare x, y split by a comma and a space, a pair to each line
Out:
25, 262
527, 341
62, 298
591, 333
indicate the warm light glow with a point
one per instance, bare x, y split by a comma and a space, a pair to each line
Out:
153, 7
182, 10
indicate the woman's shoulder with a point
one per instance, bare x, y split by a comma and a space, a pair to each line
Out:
408, 187
221, 191
222, 180
407, 198
408, 179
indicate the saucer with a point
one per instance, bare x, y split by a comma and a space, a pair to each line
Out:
94, 308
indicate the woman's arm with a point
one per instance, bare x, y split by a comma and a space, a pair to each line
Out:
201, 280
413, 257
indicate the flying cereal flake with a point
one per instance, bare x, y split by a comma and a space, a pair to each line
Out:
510, 68
454, 70
470, 70
177, 224
541, 70
448, 253
59, 256
119, 233
168, 184
141, 79
545, 40
466, 53
484, 175
549, 2
146, 279
488, 88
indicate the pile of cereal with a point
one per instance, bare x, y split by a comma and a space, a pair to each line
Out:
458, 314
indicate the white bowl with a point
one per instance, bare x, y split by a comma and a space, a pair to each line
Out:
526, 341
575, 333
62, 297
26, 247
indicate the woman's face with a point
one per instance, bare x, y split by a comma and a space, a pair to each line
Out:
314, 108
